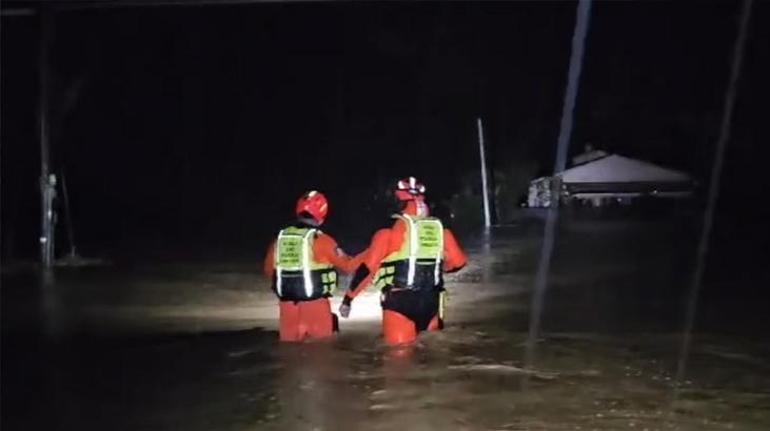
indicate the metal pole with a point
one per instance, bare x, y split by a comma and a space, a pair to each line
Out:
716, 173
485, 189
70, 229
565, 132
47, 181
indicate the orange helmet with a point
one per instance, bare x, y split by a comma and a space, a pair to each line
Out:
409, 189
313, 205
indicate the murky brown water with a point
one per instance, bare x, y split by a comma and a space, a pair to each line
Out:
194, 347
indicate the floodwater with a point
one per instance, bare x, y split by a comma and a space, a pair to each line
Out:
194, 347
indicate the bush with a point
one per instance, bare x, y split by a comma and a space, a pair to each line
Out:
511, 186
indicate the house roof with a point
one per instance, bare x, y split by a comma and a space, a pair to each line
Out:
620, 169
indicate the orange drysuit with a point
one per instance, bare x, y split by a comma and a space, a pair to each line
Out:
300, 319
405, 312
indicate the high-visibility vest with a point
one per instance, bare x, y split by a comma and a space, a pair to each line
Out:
298, 276
417, 264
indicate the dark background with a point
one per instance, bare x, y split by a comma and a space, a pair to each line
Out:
192, 129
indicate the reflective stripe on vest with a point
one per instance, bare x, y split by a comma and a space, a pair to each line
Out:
288, 258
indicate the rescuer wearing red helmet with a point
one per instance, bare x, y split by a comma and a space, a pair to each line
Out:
302, 263
406, 261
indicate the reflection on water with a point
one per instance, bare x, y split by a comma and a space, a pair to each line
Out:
50, 304
175, 347
305, 385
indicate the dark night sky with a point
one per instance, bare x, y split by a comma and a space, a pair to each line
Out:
201, 124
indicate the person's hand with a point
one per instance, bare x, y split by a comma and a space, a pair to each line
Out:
345, 306
344, 310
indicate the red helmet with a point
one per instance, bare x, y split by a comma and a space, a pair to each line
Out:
313, 205
410, 189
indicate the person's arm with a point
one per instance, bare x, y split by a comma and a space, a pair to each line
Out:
268, 266
356, 261
326, 250
384, 242
370, 263
454, 256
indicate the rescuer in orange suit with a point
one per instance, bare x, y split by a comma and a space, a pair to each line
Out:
302, 263
406, 261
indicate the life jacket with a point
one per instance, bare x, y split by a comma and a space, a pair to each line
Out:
417, 264
298, 276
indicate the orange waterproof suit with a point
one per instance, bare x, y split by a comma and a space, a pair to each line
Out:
408, 306
304, 290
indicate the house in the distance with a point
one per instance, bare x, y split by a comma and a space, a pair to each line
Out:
605, 178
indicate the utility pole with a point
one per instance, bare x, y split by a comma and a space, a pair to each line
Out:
47, 180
